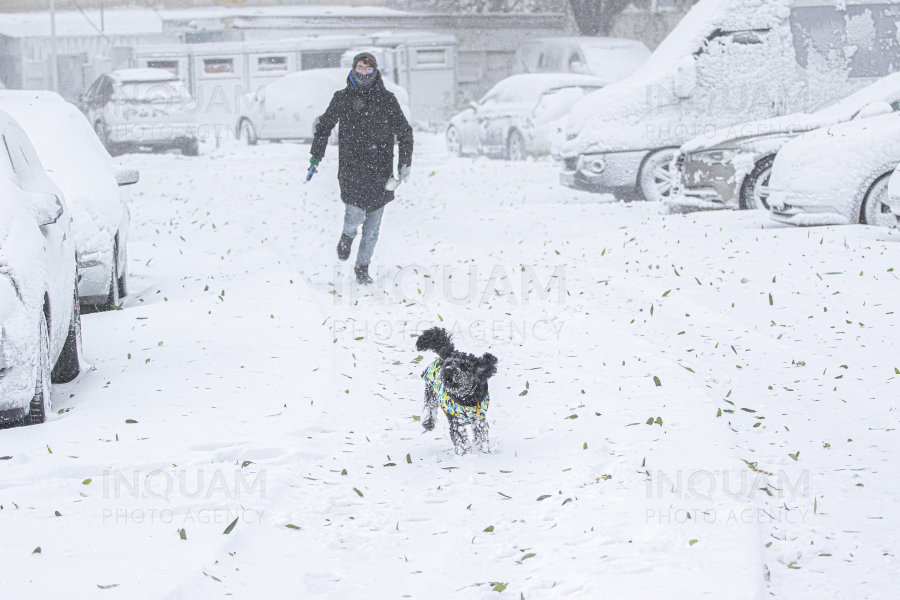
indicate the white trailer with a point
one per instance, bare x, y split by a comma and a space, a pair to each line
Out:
424, 63
218, 74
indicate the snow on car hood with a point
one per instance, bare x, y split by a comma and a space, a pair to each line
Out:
75, 160
601, 121
833, 162
886, 89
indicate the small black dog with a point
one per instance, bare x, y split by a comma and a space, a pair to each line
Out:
457, 382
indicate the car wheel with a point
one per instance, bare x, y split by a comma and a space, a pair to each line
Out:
515, 146
755, 189
68, 364
875, 210
191, 148
454, 143
41, 403
656, 176
248, 133
112, 297
123, 273
103, 136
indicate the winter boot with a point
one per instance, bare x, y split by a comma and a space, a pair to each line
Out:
343, 246
362, 274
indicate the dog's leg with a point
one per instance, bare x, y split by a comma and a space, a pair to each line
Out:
481, 430
430, 409
458, 436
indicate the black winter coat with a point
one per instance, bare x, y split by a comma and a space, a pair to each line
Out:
369, 119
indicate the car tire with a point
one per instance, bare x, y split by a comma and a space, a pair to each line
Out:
248, 132
454, 142
112, 296
103, 136
874, 209
515, 146
68, 365
755, 188
654, 179
41, 402
190, 148
123, 273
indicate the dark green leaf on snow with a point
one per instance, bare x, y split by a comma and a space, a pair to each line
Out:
230, 528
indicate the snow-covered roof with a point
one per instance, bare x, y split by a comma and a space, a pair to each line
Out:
70, 22
134, 20
143, 75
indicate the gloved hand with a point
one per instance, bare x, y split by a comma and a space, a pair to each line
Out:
313, 163
404, 172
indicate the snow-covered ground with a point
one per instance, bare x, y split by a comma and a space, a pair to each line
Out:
687, 406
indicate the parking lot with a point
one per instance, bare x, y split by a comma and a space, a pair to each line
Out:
701, 403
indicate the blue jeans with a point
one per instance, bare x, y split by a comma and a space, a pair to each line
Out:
371, 221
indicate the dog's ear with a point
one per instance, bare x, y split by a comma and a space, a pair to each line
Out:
437, 340
486, 366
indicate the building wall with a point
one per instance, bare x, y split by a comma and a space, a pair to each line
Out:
42, 5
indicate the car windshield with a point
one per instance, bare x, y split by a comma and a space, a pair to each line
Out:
613, 64
154, 91
886, 89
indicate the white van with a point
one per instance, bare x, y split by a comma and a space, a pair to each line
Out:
727, 62
611, 59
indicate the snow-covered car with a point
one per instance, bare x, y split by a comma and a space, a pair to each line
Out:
287, 109
837, 175
40, 322
893, 192
726, 62
131, 109
610, 59
730, 167
517, 116
93, 186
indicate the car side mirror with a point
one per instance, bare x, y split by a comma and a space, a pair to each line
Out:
127, 176
873, 109
48, 208
746, 38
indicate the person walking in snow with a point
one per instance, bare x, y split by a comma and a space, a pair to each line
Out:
370, 118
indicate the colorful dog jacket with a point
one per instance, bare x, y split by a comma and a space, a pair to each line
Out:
465, 414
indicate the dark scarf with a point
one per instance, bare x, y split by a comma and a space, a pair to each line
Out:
363, 81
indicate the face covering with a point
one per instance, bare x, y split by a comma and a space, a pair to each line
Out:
364, 80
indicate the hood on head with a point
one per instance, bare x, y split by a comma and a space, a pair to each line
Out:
367, 56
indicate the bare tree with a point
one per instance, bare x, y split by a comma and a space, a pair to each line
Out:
596, 17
